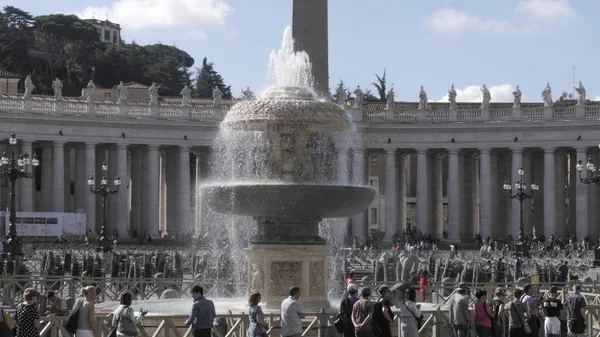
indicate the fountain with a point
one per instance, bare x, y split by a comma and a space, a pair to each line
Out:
282, 185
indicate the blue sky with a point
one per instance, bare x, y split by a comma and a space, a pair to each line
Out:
434, 43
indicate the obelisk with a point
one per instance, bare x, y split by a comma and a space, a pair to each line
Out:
309, 30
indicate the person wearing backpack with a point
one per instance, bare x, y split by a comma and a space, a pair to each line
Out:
346, 310
499, 321
382, 312
124, 315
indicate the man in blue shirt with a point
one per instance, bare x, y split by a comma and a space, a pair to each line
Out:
203, 314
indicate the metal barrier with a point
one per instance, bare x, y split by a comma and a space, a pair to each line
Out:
316, 324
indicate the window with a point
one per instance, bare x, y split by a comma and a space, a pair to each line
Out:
374, 182
374, 215
373, 161
115, 38
107, 95
107, 36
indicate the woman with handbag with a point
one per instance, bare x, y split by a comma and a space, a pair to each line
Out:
258, 326
409, 314
517, 316
27, 322
124, 321
86, 320
483, 315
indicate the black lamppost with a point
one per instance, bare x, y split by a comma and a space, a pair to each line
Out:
12, 168
520, 195
104, 191
592, 176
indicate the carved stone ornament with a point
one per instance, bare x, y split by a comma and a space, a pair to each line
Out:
283, 276
316, 278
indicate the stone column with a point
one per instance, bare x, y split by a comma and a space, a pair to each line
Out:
476, 197
122, 206
151, 182
26, 193
46, 164
390, 194
548, 189
593, 203
198, 192
422, 192
81, 186
527, 161
136, 187
58, 176
184, 190
454, 202
485, 193
342, 164
560, 180
581, 190
438, 195
358, 220
90, 199
401, 197
517, 161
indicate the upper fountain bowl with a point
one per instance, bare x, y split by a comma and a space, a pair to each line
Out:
287, 106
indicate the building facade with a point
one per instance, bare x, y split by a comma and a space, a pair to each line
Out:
436, 169
107, 31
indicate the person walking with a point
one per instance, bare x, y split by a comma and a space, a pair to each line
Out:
409, 312
517, 315
483, 315
346, 310
460, 317
258, 326
292, 314
202, 315
27, 321
362, 314
576, 313
124, 311
86, 321
552, 307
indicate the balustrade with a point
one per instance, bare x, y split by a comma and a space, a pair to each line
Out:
207, 109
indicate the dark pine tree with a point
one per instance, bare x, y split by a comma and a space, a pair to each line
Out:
208, 79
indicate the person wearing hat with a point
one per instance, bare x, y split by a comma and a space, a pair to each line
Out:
552, 307
346, 310
362, 314
382, 312
460, 316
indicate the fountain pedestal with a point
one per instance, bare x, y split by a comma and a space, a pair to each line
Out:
273, 269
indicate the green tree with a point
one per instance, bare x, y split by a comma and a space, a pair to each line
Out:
380, 85
16, 37
341, 86
369, 97
208, 78
60, 37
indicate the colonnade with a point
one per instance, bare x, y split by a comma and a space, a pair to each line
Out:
471, 182
157, 191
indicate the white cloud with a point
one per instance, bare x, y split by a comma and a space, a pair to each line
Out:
453, 22
546, 10
597, 98
472, 93
191, 16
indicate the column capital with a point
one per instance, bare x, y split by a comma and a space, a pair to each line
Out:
391, 151
485, 150
549, 149
422, 150
153, 147
91, 146
184, 148
27, 141
358, 149
453, 151
58, 143
582, 150
518, 150
122, 146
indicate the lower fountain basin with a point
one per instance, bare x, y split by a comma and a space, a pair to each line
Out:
309, 201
